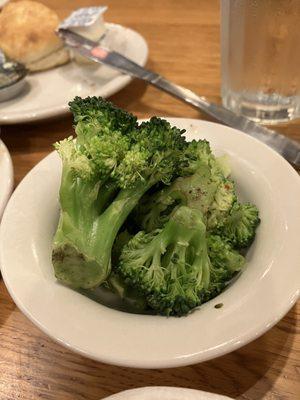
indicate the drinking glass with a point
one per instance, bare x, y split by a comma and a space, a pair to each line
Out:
260, 46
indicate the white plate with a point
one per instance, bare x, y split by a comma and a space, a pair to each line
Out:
264, 292
3, 2
6, 176
165, 393
46, 94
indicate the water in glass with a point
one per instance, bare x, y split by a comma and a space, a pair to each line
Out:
261, 58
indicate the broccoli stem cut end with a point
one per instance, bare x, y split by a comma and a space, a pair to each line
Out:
75, 269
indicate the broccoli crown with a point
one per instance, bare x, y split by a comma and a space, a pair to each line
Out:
207, 190
223, 257
115, 147
196, 154
225, 263
102, 132
240, 225
106, 170
179, 266
130, 153
157, 134
102, 115
170, 265
75, 160
155, 153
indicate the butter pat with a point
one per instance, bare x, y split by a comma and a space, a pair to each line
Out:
87, 22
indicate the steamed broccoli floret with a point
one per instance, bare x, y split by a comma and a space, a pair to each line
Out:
225, 262
171, 266
180, 266
207, 189
240, 224
106, 170
101, 115
197, 154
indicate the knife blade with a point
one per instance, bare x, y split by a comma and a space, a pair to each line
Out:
286, 147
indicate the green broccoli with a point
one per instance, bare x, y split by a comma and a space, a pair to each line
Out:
171, 266
224, 198
196, 154
225, 262
178, 267
106, 170
207, 189
240, 225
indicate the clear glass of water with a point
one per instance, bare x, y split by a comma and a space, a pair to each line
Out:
260, 46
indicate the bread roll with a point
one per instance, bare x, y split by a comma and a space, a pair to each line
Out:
27, 35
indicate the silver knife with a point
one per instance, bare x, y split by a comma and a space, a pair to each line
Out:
288, 148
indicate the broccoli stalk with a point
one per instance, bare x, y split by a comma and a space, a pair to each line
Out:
82, 244
225, 263
112, 163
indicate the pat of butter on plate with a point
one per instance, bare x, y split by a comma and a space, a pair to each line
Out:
87, 22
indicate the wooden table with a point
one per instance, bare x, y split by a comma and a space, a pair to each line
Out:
183, 37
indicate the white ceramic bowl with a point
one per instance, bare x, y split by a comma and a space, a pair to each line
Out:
265, 291
6, 176
165, 393
3, 2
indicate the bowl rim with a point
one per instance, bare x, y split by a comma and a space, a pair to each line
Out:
8, 165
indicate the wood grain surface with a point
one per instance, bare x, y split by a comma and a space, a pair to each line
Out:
183, 37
